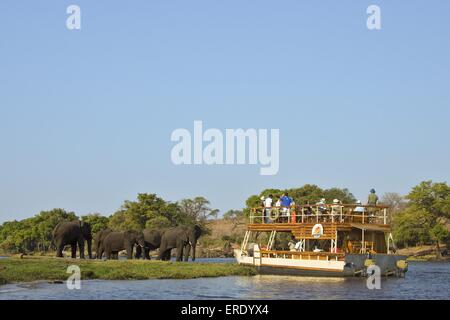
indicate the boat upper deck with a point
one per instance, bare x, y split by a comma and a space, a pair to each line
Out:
332, 216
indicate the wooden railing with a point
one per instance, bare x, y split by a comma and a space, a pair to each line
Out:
321, 214
302, 255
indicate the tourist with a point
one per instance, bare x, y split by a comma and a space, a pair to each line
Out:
372, 201
278, 203
321, 207
267, 208
285, 201
359, 208
373, 198
336, 209
291, 244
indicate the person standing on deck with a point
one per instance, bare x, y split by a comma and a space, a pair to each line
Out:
286, 202
372, 201
373, 198
336, 210
267, 208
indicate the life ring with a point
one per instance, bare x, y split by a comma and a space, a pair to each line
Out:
274, 214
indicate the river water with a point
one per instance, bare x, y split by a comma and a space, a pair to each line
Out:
424, 281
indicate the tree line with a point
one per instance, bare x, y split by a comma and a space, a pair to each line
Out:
422, 217
147, 211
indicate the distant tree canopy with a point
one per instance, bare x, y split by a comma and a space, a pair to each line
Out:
97, 221
426, 218
233, 214
33, 233
308, 194
151, 211
148, 211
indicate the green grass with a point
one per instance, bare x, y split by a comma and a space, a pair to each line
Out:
44, 268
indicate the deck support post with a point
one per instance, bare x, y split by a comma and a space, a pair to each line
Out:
363, 242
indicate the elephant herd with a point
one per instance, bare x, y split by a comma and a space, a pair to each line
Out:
109, 243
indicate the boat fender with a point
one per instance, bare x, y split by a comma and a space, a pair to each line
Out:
368, 263
402, 264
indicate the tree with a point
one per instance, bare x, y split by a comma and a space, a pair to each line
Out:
423, 221
396, 203
197, 210
433, 199
97, 221
233, 215
33, 233
344, 195
133, 215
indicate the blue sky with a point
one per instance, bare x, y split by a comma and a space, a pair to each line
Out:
86, 116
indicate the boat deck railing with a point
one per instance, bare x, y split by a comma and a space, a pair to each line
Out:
321, 213
328, 256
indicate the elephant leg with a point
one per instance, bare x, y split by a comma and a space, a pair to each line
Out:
187, 249
74, 251
89, 247
138, 252
100, 252
130, 252
147, 254
180, 252
59, 250
81, 246
161, 253
168, 255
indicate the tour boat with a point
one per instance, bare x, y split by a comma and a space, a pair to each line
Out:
330, 240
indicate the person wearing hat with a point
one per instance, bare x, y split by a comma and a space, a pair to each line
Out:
372, 201
336, 209
359, 208
373, 198
321, 207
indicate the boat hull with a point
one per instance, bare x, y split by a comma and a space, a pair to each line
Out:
352, 266
301, 272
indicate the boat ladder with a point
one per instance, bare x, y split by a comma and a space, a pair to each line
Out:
272, 237
245, 242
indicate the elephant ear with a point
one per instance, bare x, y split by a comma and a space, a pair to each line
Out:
198, 231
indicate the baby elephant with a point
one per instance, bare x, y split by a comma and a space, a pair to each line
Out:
118, 241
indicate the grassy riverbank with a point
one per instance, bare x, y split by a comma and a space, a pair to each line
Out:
51, 269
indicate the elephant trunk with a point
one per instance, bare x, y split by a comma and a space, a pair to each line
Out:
194, 244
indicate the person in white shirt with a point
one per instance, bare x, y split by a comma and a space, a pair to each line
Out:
267, 208
336, 210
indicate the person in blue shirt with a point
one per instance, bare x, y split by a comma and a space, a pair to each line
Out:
286, 202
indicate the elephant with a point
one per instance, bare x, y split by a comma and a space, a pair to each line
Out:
182, 238
118, 241
152, 239
98, 239
72, 233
